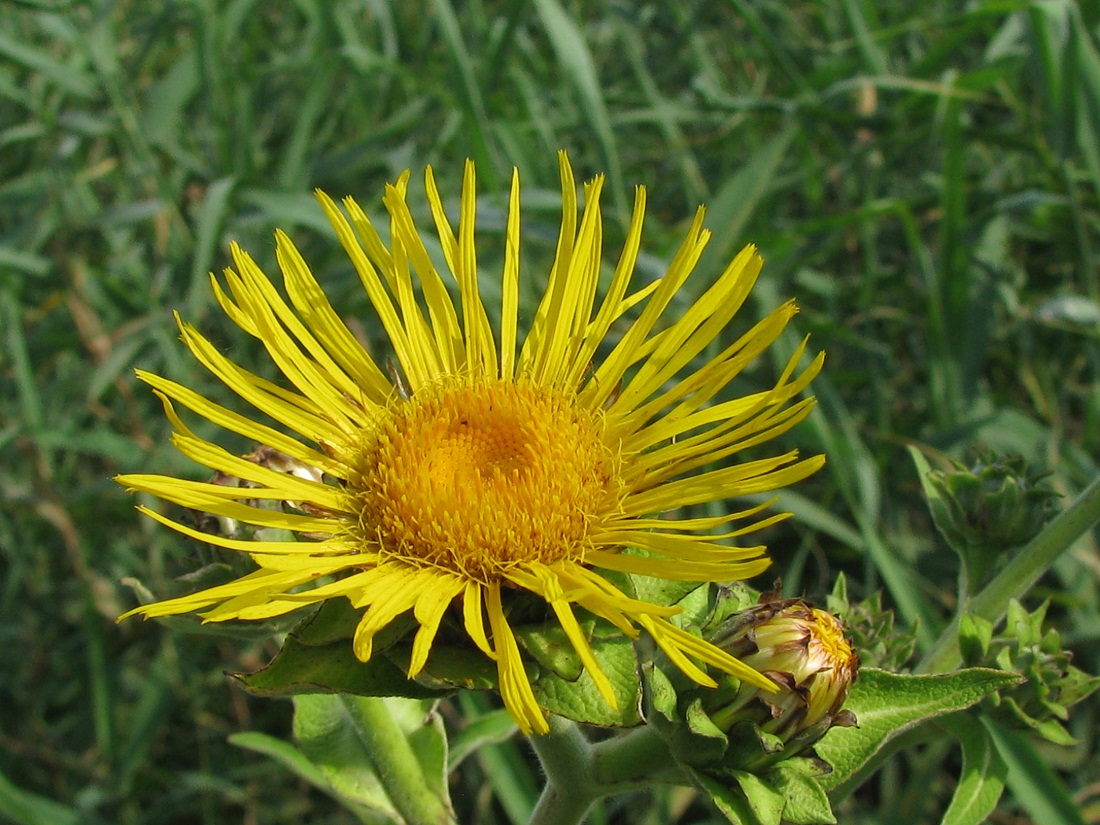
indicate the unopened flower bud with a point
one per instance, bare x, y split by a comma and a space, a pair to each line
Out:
997, 503
804, 651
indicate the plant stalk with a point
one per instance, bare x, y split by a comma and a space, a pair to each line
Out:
1018, 576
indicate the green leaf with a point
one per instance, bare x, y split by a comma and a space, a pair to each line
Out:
765, 801
551, 648
331, 668
887, 704
284, 753
336, 619
450, 667
342, 736
580, 700
730, 802
1032, 780
983, 774
798, 781
327, 738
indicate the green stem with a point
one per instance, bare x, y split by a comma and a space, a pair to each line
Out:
636, 760
566, 758
1018, 576
396, 763
579, 773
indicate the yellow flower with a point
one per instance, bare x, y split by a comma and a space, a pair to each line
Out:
494, 464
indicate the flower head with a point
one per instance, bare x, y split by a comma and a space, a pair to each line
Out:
804, 650
495, 463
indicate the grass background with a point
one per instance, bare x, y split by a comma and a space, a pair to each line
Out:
924, 177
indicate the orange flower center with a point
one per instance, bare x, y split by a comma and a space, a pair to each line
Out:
477, 478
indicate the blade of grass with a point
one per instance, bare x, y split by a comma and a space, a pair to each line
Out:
576, 62
1031, 779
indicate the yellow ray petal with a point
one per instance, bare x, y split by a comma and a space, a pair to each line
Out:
313, 306
509, 287
515, 689
473, 619
429, 609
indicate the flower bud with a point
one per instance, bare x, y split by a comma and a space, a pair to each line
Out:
997, 503
804, 651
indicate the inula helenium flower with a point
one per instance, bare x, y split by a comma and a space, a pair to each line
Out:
498, 462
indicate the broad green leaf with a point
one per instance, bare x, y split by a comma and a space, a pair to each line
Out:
450, 667
335, 620
798, 781
580, 700
342, 734
331, 668
983, 774
551, 648
765, 801
887, 704
327, 738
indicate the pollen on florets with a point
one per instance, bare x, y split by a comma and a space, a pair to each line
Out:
479, 477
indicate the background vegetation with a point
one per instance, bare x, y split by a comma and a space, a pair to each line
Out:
924, 177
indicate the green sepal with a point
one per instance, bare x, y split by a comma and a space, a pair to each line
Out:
729, 799
887, 704
789, 792
729, 600
765, 801
975, 636
692, 738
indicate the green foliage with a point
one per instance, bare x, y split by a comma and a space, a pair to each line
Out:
923, 177
1052, 685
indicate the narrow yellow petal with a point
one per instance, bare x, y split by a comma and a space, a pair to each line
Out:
515, 689
744, 479
549, 587
474, 620
429, 609
670, 637
535, 343
407, 356
384, 609
613, 305
630, 349
678, 570
266, 580
216, 499
509, 288
441, 311
315, 550
694, 330
313, 306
